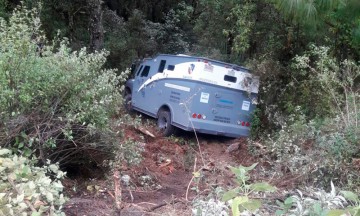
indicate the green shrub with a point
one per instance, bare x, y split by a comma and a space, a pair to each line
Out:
322, 149
339, 134
28, 190
54, 102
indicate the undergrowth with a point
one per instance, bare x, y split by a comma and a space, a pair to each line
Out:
325, 148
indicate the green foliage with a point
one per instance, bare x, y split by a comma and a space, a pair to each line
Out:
212, 42
303, 10
305, 149
245, 190
337, 20
284, 206
73, 79
211, 204
320, 88
353, 209
243, 19
117, 41
338, 81
131, 152
210, 207
3, 4
27, 189
320, 203
170, 37
255, 123
55, 102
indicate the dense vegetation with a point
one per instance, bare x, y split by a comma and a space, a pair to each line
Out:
59, 98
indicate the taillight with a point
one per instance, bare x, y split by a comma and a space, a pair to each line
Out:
198, 116
242, 123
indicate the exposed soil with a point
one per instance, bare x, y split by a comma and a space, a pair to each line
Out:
163, 183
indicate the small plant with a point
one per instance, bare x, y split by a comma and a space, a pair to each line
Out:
26, 189
211, 204
211, 207
130, 152
178, 140
241, 197
284, 206
319, 203
352, 209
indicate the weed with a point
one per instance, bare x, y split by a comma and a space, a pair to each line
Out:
240, 197
321, 203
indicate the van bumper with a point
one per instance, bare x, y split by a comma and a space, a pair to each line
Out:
216, 128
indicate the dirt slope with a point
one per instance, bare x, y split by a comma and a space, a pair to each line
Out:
163, 183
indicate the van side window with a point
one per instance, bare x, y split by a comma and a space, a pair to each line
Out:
162, 66
230, 78
145, 72
171, 67
137, 74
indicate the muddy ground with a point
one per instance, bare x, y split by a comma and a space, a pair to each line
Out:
163, 183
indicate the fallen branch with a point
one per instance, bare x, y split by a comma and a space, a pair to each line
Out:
192, 178
205, 167
144, 131
259, 145
161, 205
111, 195
167, 162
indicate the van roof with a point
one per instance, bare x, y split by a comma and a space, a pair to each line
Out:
233, 66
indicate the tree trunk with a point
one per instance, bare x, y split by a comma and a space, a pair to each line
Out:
96, 27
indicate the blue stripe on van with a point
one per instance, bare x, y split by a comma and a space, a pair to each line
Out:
226, 101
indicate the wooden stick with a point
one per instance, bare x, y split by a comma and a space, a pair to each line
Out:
117, 191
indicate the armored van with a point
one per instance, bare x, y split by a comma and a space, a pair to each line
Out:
193, 94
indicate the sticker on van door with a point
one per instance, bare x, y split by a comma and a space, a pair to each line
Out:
204, 98
245, 105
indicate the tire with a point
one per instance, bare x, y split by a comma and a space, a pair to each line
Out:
164, 123
127, 103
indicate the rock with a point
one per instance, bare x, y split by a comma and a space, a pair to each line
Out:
125, 179
233, 147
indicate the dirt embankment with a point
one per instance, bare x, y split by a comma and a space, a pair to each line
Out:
164, 182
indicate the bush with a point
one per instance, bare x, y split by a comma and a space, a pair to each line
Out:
55, 103
27, 189
321, 149
339, 134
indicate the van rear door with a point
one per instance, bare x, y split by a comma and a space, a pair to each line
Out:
231, 107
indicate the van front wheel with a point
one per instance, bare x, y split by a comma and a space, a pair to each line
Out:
127, 103
164, 123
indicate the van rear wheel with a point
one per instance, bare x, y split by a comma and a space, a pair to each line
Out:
164, 123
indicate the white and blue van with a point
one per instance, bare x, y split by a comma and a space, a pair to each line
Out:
193, 93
